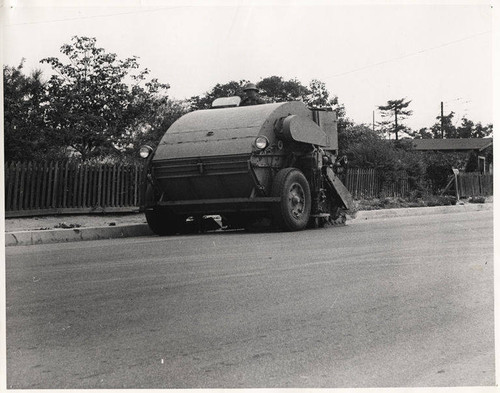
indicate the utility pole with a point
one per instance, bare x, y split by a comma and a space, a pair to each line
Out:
396, 121
373, 121
442, 121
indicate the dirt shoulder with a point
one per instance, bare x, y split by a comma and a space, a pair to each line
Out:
105, 220
72, 221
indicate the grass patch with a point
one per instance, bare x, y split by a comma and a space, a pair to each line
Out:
398, 202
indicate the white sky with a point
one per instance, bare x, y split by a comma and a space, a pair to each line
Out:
366, 53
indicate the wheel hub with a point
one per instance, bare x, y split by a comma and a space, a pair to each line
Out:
296, 200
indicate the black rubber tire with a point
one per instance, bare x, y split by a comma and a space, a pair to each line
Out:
161, 220
293, 211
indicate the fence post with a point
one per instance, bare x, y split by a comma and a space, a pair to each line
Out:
22, 187
27, 186
95, 171
125, 186
99, 186
136, 184
8, 186
65, 186
93, 186
113, 187
49, 185
78, 185
34, 177
455, 173
120, 185
108, 185
85, 185
16, 185
358, 181
55, 185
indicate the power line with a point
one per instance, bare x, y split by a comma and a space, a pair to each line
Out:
410, 54
97, 16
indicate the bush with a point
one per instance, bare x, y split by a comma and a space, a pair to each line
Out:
439, 167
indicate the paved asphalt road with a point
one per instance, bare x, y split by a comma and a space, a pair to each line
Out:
398, 302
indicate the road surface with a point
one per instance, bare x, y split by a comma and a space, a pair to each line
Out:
403, 302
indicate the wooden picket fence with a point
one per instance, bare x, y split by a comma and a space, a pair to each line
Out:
368, 183
63, 188
475, 184
362, 183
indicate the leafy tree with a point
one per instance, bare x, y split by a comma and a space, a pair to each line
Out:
228, 89
353, 135
396, 111
423, 133
378, 153
97, 102
444, 127
468, 129
481, 131
276, 89
24, 126
319, 95
165, 115
272, 89
439, 167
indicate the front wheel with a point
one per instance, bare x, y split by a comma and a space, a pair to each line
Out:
294, 209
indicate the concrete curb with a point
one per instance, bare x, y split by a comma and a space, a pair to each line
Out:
26, 238
421, 211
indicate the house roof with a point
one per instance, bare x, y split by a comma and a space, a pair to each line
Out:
452, 144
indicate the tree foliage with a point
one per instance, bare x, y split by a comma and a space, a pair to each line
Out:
25, 133
395, 111
355, 135
271, 89
439, 167
229, 89
423, 133
469, 129
162, 118
276, 89
319, 96
448, 129
97, 102
103, 107
444, 127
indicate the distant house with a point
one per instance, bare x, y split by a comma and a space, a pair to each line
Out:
482, 148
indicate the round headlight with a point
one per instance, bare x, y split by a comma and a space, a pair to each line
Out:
145, 151
261, 142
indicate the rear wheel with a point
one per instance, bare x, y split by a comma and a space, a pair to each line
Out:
294, 209
161, 220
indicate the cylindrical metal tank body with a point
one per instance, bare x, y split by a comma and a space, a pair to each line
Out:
205, 154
